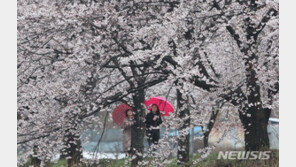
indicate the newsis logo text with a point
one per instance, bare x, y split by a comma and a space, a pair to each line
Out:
252, 155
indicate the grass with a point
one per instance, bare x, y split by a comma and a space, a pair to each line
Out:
113, 162
210, 161
60, 163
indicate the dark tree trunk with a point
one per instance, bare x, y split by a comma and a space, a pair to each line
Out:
73, 148
210, 127
254, 117
75, 153
256, 136
34, 160
183, 140
138, 129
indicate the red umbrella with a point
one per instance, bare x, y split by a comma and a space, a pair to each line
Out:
163, 105
119, 114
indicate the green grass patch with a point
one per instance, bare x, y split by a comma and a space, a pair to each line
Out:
60, 163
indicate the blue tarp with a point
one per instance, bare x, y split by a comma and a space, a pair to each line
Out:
196, 130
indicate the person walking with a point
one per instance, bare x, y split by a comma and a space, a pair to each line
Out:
127, 123
153, 121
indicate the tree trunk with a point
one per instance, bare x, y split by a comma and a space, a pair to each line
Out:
254, 117
35, 161
138, 129
72, 152
256, 135
75, 153
183, 138
73, 148
210, 127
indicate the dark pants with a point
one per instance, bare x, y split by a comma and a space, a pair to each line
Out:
153, 136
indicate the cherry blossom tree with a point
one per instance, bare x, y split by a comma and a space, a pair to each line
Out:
79, 58
253, 19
